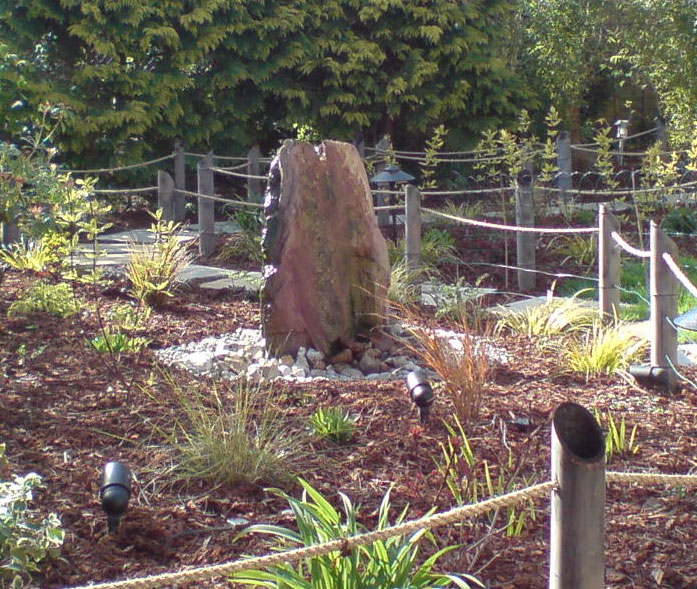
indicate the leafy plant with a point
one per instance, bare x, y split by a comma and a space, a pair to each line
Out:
384, 563
616, 441
333, 423
232, 438
405, 284
681, 220
430, 163
602, 349
460, 302
55, 299
470, 479
550, 318
25, 541
580, 249
241, 246
153, 269
466, 210
117, 342
38, 257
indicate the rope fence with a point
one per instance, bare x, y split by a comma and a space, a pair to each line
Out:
124, 190
228, 172
254, 205
679, 274
630, 249
122, 168
343, 545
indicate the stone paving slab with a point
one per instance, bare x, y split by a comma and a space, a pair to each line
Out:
250, 281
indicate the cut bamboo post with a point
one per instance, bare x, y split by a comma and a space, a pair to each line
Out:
577, 529
206, 207
254, 169
165, 195
663, 288
413, 227
525, 240
608, 266
179, 180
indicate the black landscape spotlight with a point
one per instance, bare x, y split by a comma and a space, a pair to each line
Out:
421, 393
115, 492
392, 175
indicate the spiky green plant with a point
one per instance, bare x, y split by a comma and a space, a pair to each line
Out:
384, 563
333, 423
602, 350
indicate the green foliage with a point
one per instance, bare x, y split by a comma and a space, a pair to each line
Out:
117, 342
25, 541
333, 423
466, 210
602, 350
681, 220
576, 248
231, 437
551, 318
153, 268
384, 563
405, 284
245, 244
430, 164
137, 74
437, 247
616, 441
43, 297
469, 479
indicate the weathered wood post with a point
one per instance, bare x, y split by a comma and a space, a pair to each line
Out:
206, 207
608, 266
10, 230
525, 240
381, 149
577, 534
563, 179
165, 195
413, 227
254, 169
179, 180
663, 289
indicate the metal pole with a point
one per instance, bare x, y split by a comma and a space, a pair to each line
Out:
608, 266
206, 208
412, 228
577, 534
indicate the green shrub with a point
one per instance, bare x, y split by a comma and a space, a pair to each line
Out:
405, 284
117, 342
602, 350
333, 423
25, 541
390, 563
437, 247
56, 299
153, 269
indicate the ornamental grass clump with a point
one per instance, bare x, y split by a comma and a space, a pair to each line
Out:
333, 423
392, 562
602, 350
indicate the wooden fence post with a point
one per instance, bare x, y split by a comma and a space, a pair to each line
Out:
565, 167
179, 199
663, 289
206, 207
412, 227
577, 522
525, 240
383, 216
254, 169
10, 231
608, 266
165, 195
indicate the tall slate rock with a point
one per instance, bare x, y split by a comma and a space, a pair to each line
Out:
326, 266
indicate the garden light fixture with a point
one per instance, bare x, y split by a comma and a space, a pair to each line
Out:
392, 175
115, 492
421, 393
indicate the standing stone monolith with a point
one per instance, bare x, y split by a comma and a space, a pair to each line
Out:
326, 267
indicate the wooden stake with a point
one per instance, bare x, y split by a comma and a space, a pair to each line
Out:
608, 266
413, 227
206, 207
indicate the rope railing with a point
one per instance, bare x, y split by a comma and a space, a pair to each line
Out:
624, 153
343, 545
464, 221
237, 167
122, 168
630, 249
220, 199
227, 172
679, 274
623, 192
124, 190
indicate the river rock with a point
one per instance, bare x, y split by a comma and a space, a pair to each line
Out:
327, 269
